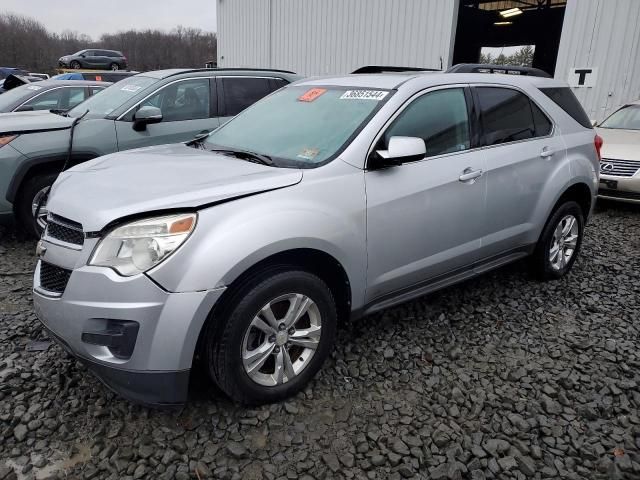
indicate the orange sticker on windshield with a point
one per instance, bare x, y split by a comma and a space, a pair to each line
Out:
312, 94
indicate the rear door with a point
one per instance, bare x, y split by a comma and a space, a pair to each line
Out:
522, 148
187, 110
237, 93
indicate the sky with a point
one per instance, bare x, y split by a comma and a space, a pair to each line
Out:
109, 16
495, 51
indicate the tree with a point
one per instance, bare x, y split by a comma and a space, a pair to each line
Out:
25, 43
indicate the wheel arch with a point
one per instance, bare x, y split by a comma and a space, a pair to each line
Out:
580, 193
312, 260
40, 166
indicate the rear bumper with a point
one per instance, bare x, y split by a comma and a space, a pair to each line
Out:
622, 189
155, 370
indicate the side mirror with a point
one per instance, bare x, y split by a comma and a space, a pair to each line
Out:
400, 150
24, 108
83, 55
146, 116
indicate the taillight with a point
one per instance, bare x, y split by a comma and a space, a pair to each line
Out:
4, 139
597, 142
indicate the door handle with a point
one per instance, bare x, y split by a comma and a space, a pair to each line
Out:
547, 152
469, 175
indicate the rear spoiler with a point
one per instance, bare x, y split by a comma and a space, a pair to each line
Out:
392, 69
491, 68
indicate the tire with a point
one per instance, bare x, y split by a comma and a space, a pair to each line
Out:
231, 337
545, 264
32, 188
75, 65
114, 67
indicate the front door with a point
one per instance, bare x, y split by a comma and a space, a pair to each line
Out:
425, 217
186, 110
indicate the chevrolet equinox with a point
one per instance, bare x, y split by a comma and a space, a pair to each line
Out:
329, 199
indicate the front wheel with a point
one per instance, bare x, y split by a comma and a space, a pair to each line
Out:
32, 201
75, 65
560, 242
273, 338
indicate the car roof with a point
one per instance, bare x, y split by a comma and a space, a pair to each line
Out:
206, 72
64, 83
428, 79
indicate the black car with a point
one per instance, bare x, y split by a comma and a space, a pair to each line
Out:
94, 58
58, 95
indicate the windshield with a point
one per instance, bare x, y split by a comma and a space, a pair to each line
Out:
16, 96
627, 118
113, 97
299, 126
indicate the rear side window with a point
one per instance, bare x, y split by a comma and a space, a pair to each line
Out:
565, 99
542, 122
239, 93
506, 115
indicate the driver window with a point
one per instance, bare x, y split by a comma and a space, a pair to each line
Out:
440, 118
187, 100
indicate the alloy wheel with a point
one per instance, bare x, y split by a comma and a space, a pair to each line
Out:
40, 200
564, 242
281, 339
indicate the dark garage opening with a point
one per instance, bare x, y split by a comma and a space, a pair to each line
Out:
508, 23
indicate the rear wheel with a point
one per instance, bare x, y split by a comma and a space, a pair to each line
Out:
273, 338
32, 195
559, 243
75, 65
114, 66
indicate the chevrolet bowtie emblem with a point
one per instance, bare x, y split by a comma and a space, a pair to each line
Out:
40, 249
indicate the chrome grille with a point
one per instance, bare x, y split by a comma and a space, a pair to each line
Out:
619, 168
619, 194
53, 278
64, 230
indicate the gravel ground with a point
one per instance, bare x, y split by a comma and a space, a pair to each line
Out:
500, 377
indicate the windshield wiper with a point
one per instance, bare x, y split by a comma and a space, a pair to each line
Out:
57, 111
245, 155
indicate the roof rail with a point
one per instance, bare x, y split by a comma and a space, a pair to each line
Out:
491, 68
235, 70
390, 69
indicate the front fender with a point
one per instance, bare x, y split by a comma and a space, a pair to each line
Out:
326, 214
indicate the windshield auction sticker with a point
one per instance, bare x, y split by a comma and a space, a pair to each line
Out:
311, 95
376, 95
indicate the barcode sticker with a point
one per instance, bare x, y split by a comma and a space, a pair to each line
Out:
376, 95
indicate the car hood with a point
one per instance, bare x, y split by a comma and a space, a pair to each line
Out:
31, 122
107, 188
620, 144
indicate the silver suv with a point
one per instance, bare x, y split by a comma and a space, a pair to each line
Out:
330, 199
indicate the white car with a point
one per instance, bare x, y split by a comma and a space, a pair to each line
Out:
620, 164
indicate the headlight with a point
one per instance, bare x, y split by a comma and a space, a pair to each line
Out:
4, 139
138, 246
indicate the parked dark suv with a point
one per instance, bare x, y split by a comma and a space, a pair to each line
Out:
99, 59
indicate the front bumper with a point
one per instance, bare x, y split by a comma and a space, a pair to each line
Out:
622, 189
156, 370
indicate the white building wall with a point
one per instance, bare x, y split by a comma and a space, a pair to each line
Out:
604, 35
319, 37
